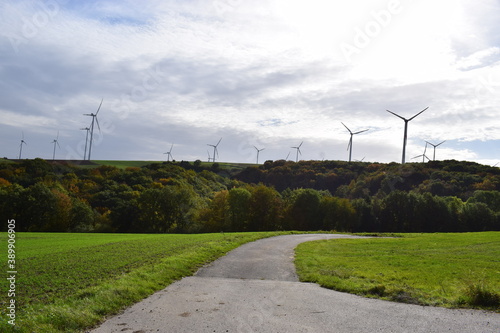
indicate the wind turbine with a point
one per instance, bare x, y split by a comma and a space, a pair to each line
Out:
94, 119
286, 159
434, 158
298, 151
169, 153
349, 146
86, 140
258, 151
406, 130
21, 146
208, 155
215, 149
55, 142
423, 155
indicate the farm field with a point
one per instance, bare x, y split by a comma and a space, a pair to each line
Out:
67, 281
126, 164
449, 270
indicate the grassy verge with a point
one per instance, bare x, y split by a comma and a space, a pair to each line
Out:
69, 282
449, 270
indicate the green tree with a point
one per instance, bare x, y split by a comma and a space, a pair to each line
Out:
303, 212
163, 210
239, 208
81, 217
337, 214
265, 209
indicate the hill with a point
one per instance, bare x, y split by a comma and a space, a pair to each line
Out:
135, 196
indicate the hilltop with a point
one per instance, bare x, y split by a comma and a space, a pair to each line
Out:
141, 196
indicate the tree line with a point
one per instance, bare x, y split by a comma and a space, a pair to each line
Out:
311, 195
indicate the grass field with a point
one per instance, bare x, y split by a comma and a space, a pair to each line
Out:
126, 164
449, 270
67, 282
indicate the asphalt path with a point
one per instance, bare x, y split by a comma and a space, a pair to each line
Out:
254, 288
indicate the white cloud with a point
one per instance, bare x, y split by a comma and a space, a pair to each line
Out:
263, 72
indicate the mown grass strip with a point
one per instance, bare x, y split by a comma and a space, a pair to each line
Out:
76, 280
449, 270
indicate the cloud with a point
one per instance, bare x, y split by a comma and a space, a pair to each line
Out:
265, 73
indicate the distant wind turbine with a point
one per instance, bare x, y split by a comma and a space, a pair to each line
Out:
406, 130
349, 146
94, 119
215, 149
169, 153
55, 142
258, 151
434, 158
423, 155
21, 146
208, 156
286, 159
86, 140
298, 151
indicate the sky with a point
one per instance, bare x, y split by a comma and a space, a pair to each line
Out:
266, 74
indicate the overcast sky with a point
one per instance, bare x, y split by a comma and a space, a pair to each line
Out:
264, 73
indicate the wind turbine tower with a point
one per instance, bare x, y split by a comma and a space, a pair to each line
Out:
298, 151
169, 153
86, 140
349, 146
258, 151
55, 142
406, 130
21, 146
434, 157
94, 120
215, 149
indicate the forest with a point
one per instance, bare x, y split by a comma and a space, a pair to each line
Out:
184, 197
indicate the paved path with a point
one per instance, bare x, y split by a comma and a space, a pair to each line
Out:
254, 288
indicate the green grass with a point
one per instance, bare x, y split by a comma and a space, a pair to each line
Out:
68, 282
449, 270
125, 164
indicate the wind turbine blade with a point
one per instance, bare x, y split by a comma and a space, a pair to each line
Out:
441, 143
301, 144
256, 148
97, 122
99, 108
397, 115
346, 127
218, 142
350, 143
418, 113
360, 131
